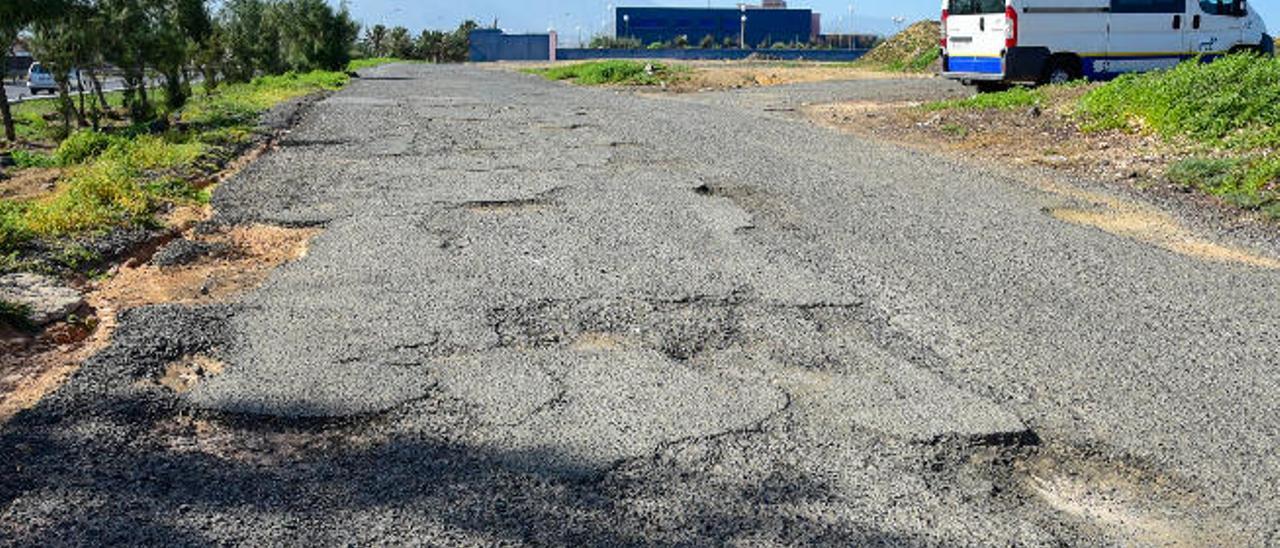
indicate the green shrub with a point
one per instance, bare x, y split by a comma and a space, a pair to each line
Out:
1233, 102
83, 146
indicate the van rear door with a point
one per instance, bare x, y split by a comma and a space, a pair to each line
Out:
975, 33
1146, 35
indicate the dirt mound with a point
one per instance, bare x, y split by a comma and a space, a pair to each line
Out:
912, 50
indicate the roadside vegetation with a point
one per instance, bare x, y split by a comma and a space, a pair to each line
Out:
597, 73
125, 177
1220, 119
1227, 111
915, 49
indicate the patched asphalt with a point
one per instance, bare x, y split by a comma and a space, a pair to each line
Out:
546, 314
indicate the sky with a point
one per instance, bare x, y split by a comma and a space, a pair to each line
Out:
594, 17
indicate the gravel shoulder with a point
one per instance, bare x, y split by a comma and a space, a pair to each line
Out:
543, 314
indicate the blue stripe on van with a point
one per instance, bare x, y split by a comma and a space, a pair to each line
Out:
1106, 67
982, 65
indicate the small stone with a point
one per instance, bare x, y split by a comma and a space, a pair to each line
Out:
1034, 112
1055, 160
47, 300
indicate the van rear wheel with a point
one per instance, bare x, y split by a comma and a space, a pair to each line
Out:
1061, 70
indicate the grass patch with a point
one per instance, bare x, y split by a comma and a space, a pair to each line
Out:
360, 64
597, 73
1233, 102
1013, 98
241, 104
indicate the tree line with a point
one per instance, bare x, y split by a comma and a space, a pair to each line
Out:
172, 41
430, 45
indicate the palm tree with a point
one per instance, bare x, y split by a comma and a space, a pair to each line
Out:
376, 39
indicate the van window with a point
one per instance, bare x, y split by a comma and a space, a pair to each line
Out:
1149, 6
1222, 7
974, 7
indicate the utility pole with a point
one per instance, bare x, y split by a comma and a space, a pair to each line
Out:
742, 30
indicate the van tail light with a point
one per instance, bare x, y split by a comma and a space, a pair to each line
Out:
945, 15
1011, 28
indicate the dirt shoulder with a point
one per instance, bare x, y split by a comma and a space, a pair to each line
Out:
705, 76
1119, 177
191, 261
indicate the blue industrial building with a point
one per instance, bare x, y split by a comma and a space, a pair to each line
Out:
763, 25
495, 45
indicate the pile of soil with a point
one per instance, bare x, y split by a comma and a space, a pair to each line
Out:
905, 50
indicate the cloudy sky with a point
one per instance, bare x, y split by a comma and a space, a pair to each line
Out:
592, 16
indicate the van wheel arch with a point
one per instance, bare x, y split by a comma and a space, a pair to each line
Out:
1062, 68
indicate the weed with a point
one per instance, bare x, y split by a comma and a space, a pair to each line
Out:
1251, 182
15, 315
955, 130
75, 256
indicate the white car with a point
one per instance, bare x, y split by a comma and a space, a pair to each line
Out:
993, 43
40, 79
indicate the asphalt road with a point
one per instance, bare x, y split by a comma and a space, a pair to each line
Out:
554, 315
19, 92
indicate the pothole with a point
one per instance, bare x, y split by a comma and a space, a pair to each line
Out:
762, 205
1124, 499
263, 445
183, 375
506, 206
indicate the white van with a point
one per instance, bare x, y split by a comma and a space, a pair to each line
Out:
993, 43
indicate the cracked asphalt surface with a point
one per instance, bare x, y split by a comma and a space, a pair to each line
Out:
555, 315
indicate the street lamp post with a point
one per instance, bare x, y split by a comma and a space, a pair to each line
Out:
852, 28
626, 21
742, 32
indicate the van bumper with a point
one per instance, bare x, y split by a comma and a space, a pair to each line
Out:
1019, 64
973, 76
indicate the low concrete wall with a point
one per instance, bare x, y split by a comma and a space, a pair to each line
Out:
825, 55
